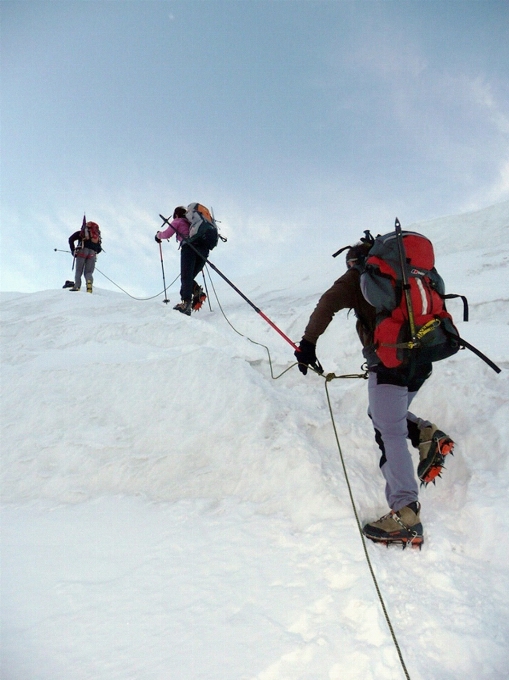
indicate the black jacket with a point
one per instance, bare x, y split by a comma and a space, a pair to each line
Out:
85, 244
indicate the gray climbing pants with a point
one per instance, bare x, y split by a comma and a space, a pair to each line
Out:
85, 265
388, 409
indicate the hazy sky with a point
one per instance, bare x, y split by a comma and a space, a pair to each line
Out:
301, 123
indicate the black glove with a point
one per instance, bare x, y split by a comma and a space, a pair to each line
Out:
306, 355
158, 240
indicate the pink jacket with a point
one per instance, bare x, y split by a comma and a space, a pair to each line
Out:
179, 226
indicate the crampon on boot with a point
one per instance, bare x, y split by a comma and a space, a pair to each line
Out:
434, 446
402, 527
199, 298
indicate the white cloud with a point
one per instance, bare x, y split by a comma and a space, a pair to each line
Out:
482, 94
498, 192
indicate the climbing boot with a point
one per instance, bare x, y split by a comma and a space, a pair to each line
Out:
434, 445
403, 526
184, 307
74, 288
89, 286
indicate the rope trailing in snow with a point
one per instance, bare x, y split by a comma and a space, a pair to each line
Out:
359, 526
132, 296
245, 336
328, 378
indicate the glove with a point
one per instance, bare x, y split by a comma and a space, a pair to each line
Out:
158, 240
306, 355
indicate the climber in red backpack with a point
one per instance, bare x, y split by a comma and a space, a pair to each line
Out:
391, 390
85, 253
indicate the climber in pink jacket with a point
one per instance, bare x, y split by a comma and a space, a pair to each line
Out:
192, 261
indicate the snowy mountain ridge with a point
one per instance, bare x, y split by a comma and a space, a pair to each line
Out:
170, 511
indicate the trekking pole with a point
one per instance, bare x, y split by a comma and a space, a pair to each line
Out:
206, 289
81, 242
244, 297
257, 309
164, 278
406, 287
58, 250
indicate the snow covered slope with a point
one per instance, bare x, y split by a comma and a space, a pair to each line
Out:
172, 512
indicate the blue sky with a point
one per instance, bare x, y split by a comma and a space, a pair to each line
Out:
301, 123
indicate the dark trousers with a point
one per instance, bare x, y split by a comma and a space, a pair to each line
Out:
192, 261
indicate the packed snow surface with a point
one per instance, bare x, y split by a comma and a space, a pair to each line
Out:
172, 512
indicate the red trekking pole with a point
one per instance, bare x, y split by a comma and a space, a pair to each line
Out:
257, 310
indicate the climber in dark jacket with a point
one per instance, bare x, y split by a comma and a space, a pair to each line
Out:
391, 391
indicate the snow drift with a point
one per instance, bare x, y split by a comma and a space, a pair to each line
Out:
171, 511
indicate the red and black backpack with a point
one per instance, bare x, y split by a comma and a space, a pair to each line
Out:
90, 232
399, 279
